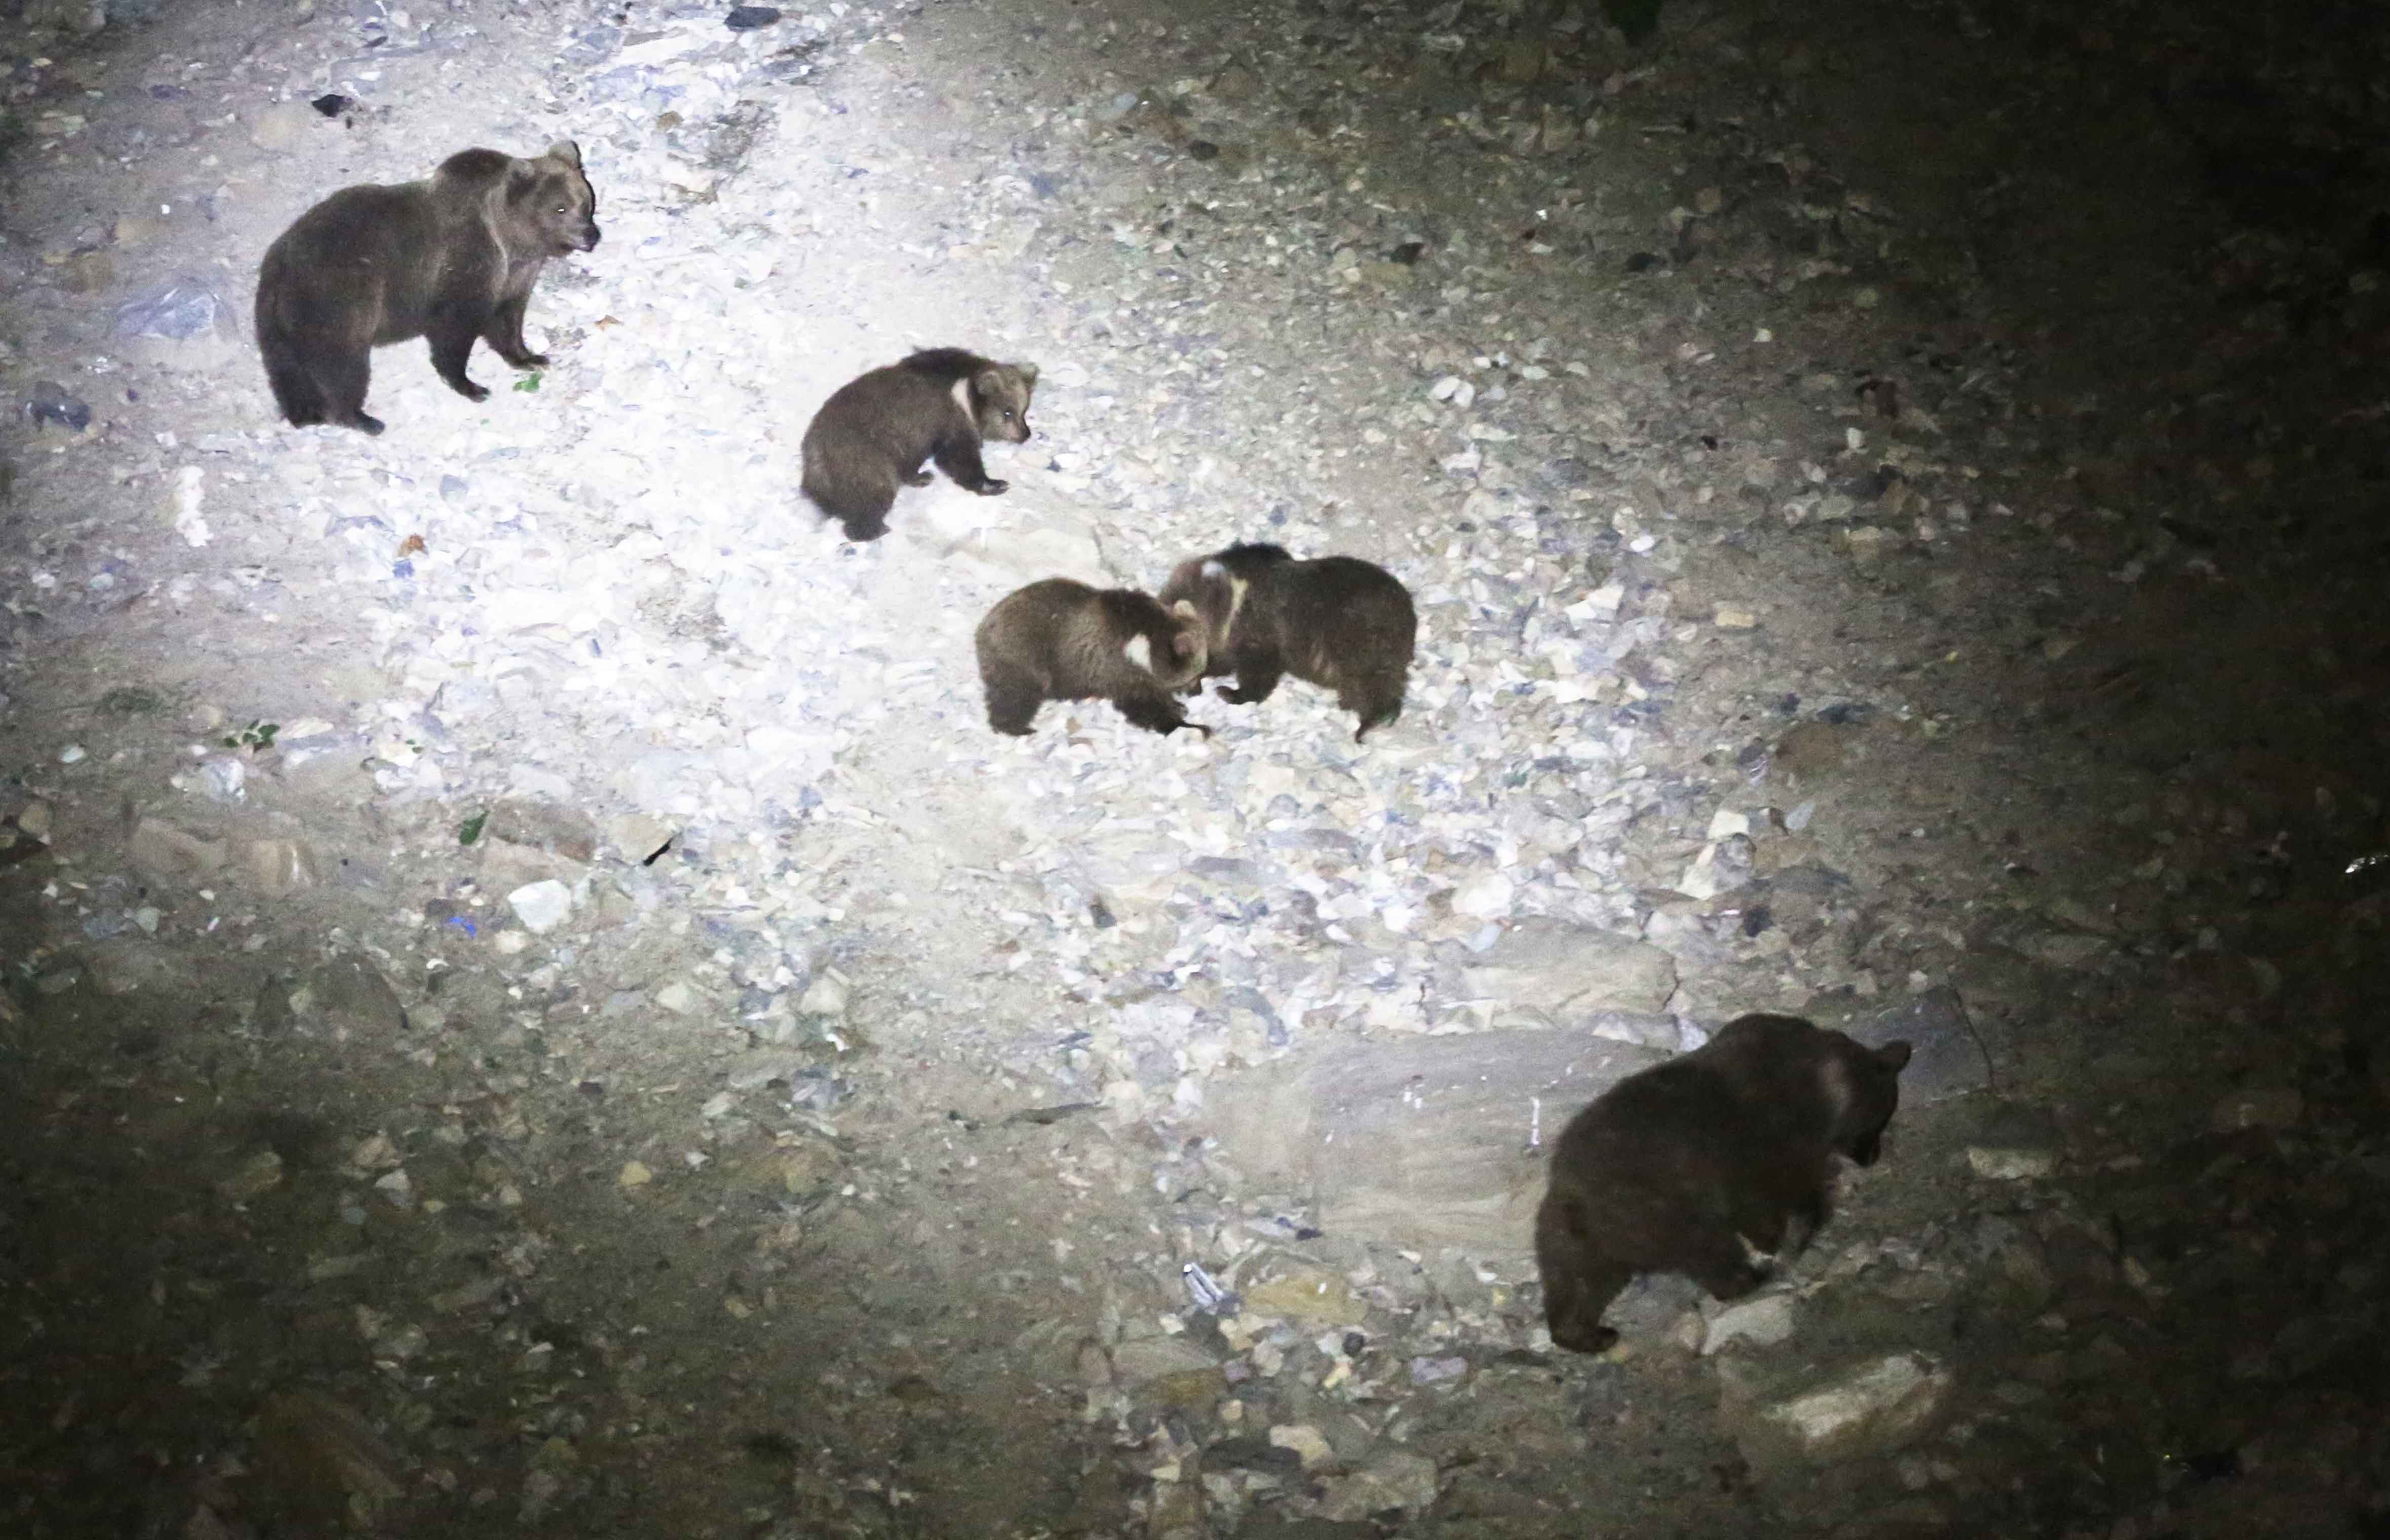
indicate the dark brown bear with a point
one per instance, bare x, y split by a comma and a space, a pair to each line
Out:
875, 431
1702, 1165
451, 258
1339, 623
1061, 640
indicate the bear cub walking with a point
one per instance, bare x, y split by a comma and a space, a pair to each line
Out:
451, 258
875, 431
1339, 623
1061, 640
1700, 1165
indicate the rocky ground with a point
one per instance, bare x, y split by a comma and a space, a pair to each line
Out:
534, 1003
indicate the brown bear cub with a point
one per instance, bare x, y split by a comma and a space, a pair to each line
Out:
1061, 640
876, 429
451, 258
1699, 1166
1339, 623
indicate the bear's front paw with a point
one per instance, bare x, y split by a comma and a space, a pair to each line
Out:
1575, 1337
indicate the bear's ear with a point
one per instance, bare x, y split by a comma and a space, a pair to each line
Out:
1028, 373
1893, 1056
1213, 570
566, 151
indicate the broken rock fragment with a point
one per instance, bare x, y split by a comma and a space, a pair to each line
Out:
542, 906
1785, 1419
1554, 972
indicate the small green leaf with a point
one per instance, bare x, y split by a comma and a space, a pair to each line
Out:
471, 830
528, 384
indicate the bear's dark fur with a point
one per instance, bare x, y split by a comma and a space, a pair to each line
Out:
1702, 1165
1061, 640
1339, 623
875, 431
451, 258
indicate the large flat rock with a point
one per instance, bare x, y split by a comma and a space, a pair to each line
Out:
1424, 1142
1035, 531
1548, 973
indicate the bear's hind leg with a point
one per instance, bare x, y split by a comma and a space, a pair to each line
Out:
342, 380
1013, 697
294, 389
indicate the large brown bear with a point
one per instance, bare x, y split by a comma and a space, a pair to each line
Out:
451, 258
1708, 1165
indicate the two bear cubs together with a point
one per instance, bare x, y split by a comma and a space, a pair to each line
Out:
1251, 611
453, 258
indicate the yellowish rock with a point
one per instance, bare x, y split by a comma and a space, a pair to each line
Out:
1185, 1390
1304, 1439
1310, 1296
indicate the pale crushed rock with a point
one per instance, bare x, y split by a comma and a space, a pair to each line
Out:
1763, 1321
1842, 1411
1397, 1479
603, 597
543, 906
